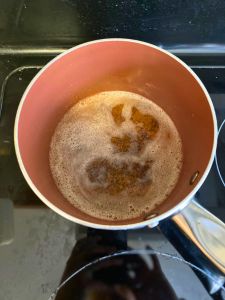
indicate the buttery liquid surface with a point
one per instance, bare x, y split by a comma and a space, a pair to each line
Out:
116, 155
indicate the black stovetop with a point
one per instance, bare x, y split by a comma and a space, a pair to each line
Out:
18, 70
39, 244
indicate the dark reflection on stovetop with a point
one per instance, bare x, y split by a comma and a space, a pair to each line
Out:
103, 266
13, 185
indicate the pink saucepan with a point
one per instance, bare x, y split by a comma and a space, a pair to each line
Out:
122, 64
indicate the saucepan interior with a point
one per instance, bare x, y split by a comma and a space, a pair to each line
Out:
114, 64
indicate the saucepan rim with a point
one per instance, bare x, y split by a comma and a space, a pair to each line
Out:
153, 221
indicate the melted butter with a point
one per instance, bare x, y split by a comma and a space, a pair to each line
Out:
115, 178
146, 127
